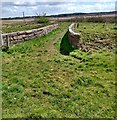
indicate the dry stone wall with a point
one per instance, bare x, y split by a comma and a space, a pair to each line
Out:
9, 39
74, 37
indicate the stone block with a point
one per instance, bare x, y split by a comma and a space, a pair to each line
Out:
20, 36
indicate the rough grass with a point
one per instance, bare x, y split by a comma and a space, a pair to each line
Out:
97, 35
22, 26
40, 82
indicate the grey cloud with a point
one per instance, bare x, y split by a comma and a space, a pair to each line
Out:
10, 9
6, 4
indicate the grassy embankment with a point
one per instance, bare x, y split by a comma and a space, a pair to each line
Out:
39, 80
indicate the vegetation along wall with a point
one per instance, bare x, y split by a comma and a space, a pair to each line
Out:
9, 39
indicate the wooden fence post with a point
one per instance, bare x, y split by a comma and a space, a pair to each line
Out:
7, 42
1, 41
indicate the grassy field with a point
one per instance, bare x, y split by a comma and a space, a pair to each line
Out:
13, 26
41, 81
96, 36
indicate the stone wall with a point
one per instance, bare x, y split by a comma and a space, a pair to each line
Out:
9, 39
74, 37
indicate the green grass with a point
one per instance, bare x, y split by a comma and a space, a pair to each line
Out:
22, 26
40, 82
91, 33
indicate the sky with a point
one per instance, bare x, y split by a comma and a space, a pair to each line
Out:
15, 8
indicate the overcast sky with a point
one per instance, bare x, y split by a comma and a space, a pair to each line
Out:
15, 8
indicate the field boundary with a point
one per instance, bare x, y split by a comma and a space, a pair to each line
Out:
8, 39
74, 38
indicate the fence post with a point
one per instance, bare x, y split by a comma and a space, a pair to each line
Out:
1, 41
7, 42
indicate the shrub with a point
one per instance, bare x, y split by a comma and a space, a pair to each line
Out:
42, 19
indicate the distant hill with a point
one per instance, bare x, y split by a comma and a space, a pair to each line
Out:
69, 15
85, 14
